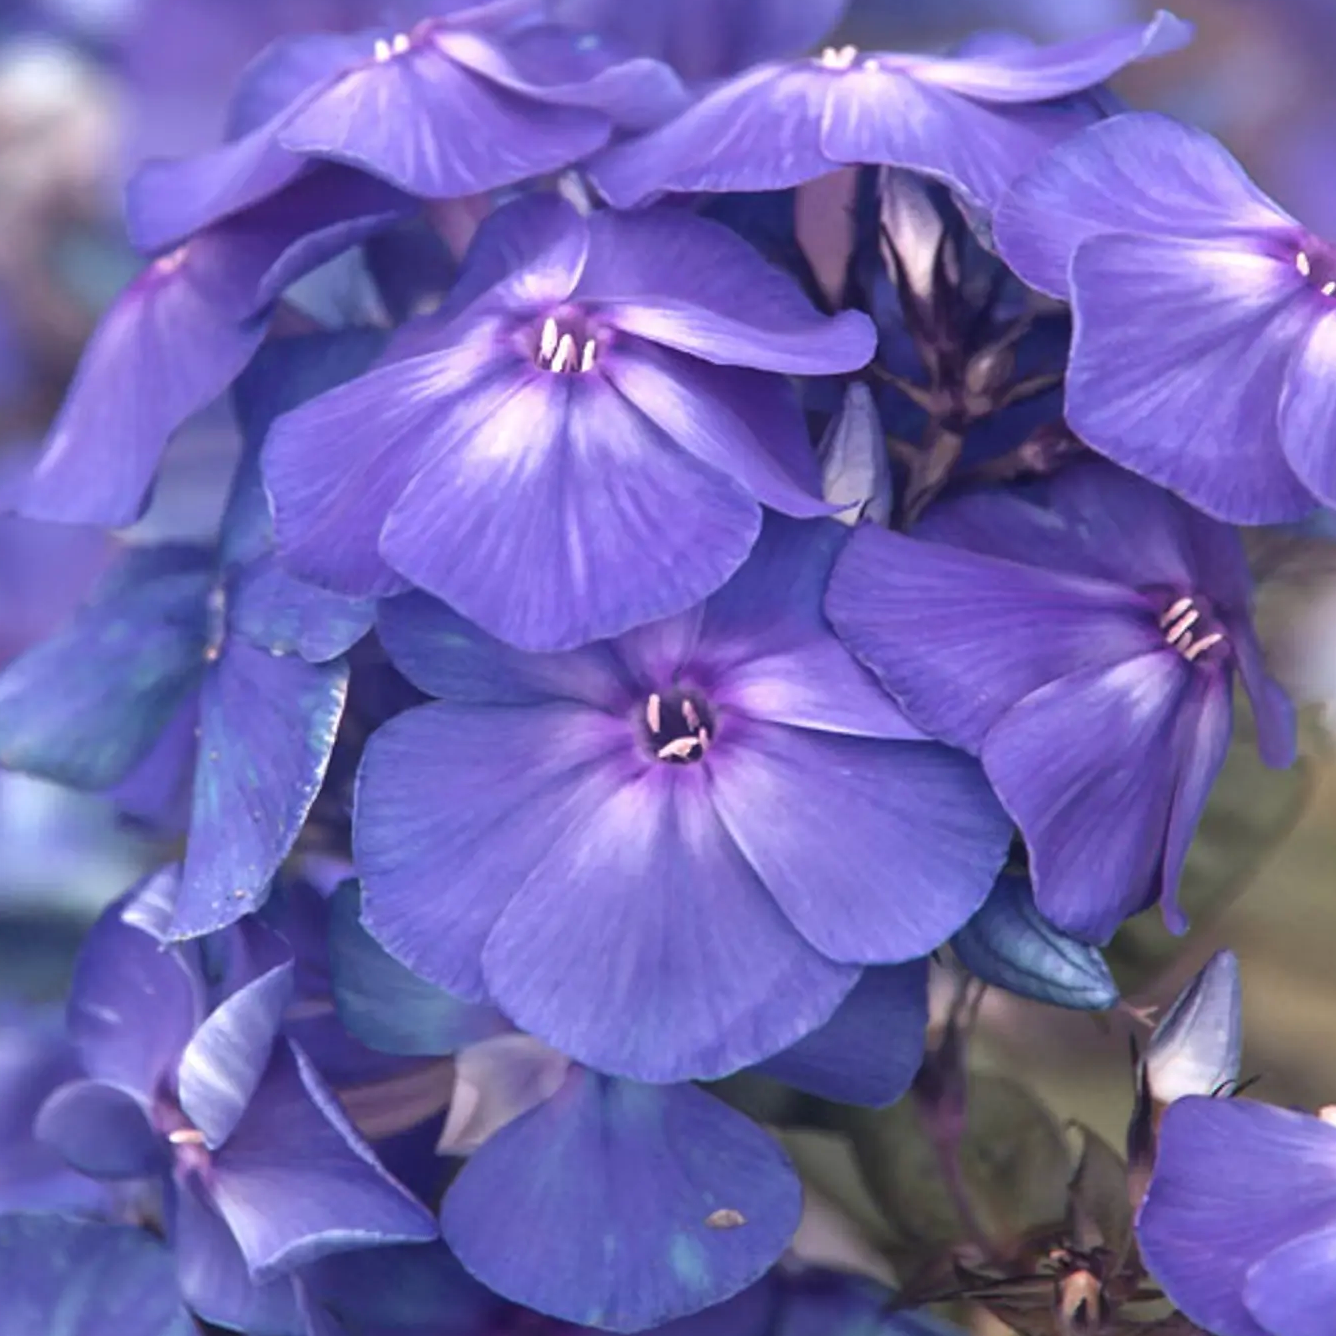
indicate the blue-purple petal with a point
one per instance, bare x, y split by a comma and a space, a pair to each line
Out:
100, 1130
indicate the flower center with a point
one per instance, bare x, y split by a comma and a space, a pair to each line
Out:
166, 265
189, 1153
1316, 263
680, 726
1189, 628
565, 347
395, 46
838, 58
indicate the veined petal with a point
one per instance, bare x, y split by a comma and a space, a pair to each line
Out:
455, 807
649, 882
871, 1048
1140, 173
287, 68
695, 285
1293, 1290
562, 482
1180, 354
1087, 767
267, 723
920, 838
951, 633
433, 128
1308, 407
277, 613
714, 1199
760, 131
1277, 724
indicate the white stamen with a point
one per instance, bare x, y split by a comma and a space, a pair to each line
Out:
841, 59
679, 748
1328, 289
725, 1218
690, 715
587, 354
382, 50
654, 712
1303, 264
565, 355
401, 43
1328, 1114
547, 341
1183, 626
1175, 610
1205, 643
186, 1136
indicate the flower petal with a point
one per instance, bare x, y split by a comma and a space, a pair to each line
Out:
275, 612
455, 807
951, 634
871, 1048
229, 1053
267, 724
288, 67
1142, 173
1086, 766
1180, 354
1308, 408
387, 1006
760, 131
100, 1130
648, 878
295, 1182
1233, 1181
691, 284
1293, 1290
920, 837
433, 128
713, 1199
608, 522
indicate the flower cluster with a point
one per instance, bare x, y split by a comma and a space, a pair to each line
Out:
751, 522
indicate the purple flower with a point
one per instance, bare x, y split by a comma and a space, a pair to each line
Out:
581, 443
175, 339
1204, 354
439, 112
721, 809
974, 121
647, 1202
1082, 641
1239, 1225
263, 1171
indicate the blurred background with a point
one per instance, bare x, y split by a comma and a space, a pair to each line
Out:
88, 88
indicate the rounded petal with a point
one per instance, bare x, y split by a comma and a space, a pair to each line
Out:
1308, 406
649, 881
552, 513
100, 1130
1180, 354
918, 837
1293, 1290
1233, 1182
648, 1203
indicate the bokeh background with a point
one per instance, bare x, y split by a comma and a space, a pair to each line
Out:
90, 87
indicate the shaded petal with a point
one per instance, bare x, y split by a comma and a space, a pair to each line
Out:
1086, 766
83, 706
1308, 408
1197, 1044
695, 285
1233, 1181
871, 1048
1043, 73
227, 1056
704, 974
455, 807
213, 1276
769, 650
565, 484
295, 1182
69, 1277
387, 1006
286, 68
446, 655
747, 424
133, 1005
1010, 945
920, 838
855, 464
268, 723
1141, 173
1180, 353
278, 613
162, 352
760, 131
335, 466
951, 634
667, 1158
1293, 1290
433, 128
100, 1130
1204, 727
1273, 711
